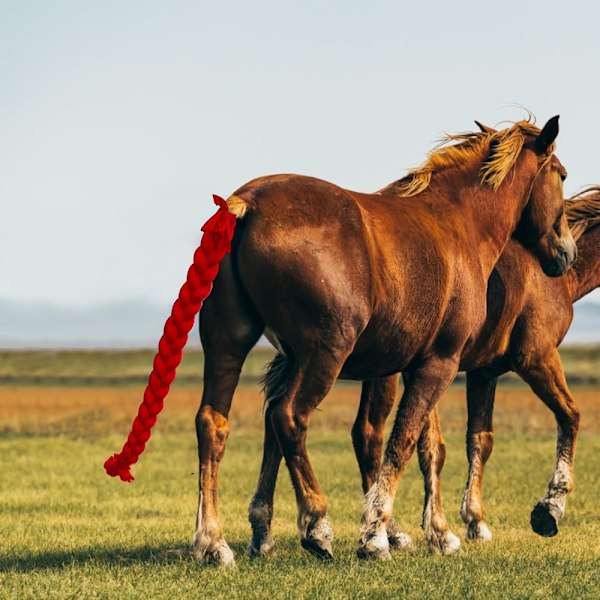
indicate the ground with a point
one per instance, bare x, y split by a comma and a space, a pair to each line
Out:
69, 531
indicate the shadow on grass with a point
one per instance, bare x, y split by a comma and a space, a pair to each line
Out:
107, 556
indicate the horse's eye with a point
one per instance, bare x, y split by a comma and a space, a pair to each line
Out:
563, 176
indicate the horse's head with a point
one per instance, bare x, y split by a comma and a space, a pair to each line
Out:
543, 227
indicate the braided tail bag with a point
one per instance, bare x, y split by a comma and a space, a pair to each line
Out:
216, 242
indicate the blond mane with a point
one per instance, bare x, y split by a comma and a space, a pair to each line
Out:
583, 210
503, 148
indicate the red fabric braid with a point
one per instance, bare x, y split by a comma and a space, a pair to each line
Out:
216, 242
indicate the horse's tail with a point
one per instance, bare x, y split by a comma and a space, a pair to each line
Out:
274, 384
239, 206
215, 244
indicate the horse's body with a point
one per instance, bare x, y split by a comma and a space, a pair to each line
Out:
527, 318
362, 286
367, 260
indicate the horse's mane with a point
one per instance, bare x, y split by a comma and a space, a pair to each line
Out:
583, 210
503, 148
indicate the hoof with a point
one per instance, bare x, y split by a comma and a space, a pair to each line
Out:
320, 548
257, 549
446, 544
545, 517
374, 547
265, 550
478, 531
218, 554
397, 538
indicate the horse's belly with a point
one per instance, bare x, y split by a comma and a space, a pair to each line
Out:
384, 355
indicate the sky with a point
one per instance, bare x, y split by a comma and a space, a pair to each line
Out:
119, 119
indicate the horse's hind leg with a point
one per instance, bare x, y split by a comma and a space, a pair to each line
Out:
546, 377
260, 511
431, 449
229, 328
481, 390
312, 375
376, 402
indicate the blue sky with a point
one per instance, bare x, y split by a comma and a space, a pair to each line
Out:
118, 120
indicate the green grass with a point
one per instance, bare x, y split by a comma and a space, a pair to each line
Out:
69, 531
106, 367
118, 367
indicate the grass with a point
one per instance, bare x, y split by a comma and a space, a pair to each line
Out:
68, 531
106, 367
127, 367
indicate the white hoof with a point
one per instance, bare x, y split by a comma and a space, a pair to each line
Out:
397, 538
375, 546
402, 541
478, 532
445, 544
450, 544
217, 553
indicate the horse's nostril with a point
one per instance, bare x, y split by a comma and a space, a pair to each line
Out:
563, 253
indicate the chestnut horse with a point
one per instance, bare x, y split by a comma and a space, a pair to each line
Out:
528, 317
360, 286
544, 318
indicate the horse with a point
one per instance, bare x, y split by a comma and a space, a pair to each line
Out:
360, 286
527, 318
544, 319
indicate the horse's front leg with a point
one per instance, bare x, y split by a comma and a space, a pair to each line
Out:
431, 450
376, 401
546, 377
424, 388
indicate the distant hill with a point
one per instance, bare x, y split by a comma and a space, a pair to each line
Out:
132, 324
586, 323
119, 325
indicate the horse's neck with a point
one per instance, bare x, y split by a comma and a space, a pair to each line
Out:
490, 217
493, 218
585, 274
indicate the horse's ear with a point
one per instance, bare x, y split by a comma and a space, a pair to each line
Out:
485, 128
547, 135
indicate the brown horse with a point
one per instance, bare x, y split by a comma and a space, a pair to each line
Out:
360, 286
543, 321
528, 317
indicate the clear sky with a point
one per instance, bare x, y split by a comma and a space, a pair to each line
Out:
119, 119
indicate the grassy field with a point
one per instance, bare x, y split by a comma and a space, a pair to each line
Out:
126, 367
69, 531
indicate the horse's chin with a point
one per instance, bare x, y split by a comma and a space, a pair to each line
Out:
557, 266
565, 257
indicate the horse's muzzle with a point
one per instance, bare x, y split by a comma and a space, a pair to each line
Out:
565, 257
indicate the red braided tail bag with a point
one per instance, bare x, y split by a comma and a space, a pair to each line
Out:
215, 244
